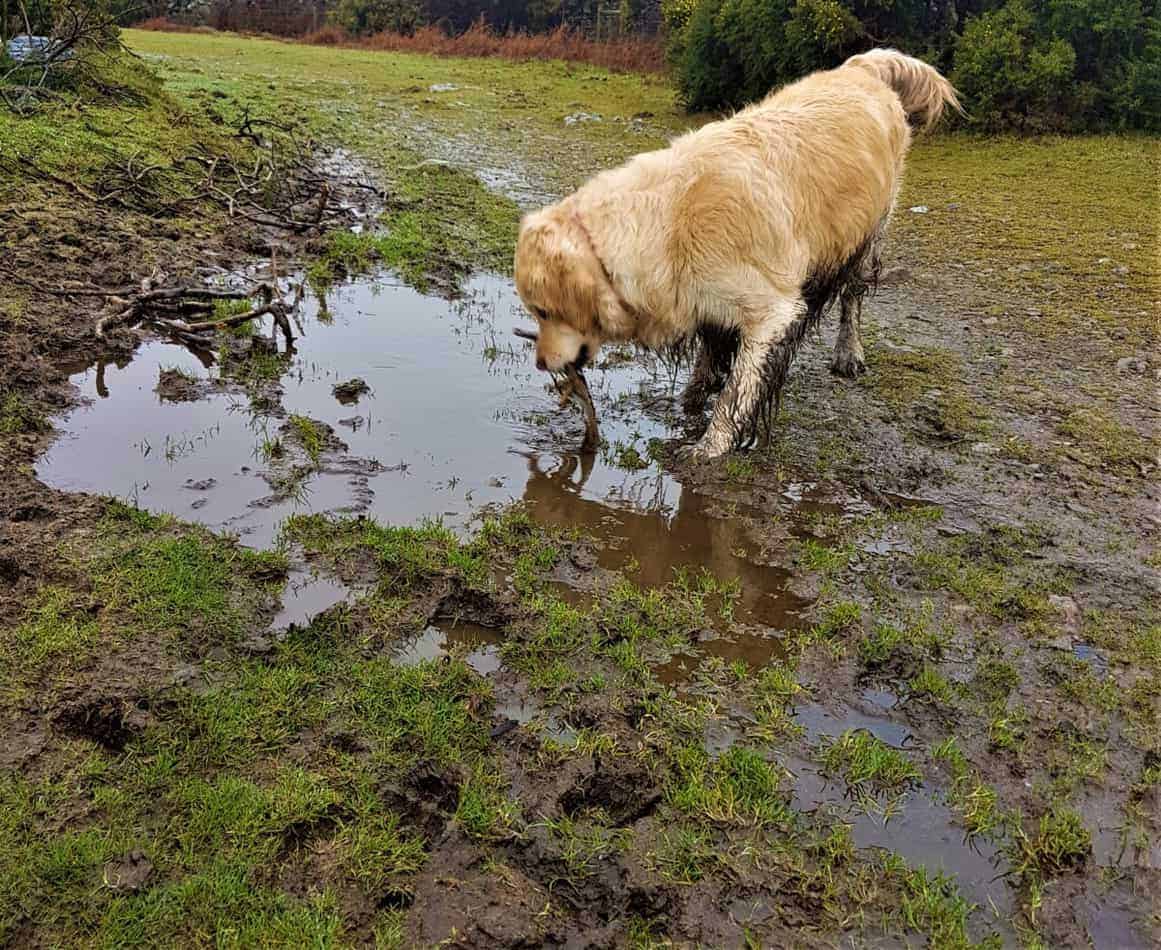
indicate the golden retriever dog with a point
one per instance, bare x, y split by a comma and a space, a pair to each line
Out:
738, 237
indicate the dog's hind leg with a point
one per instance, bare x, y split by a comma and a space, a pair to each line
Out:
767, 346
849, 359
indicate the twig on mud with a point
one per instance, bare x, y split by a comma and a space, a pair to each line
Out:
124, 308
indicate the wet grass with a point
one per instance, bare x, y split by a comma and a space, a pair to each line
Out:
868, 765
309, 434
930, 385
1009, 211
1107, 443
18, 415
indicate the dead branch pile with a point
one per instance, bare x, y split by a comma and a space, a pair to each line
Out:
167, 309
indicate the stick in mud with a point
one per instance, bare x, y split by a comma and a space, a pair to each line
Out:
573, 385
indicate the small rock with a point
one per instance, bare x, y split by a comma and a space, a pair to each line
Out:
984, 448
494, 482
1131, 365
442, 87
257, 646
199, 503
201, 484
1068, 610
581, 117
350, 391
899, 274
128, 874
186, 675
919, 209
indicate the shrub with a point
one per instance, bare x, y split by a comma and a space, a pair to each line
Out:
364, 17
1024, 64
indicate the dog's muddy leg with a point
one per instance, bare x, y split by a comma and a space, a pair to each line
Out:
759, 370
715, 357
849, 359
701, 381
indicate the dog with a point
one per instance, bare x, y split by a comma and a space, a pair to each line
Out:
736, 239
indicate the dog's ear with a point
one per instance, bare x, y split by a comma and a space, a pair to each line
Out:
555, 270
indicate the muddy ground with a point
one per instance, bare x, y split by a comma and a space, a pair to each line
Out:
893, 680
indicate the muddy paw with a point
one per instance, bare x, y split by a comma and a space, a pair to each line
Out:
703, 450
850, 365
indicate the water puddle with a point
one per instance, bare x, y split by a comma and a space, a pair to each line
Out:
448, 417
434, 642
753, 649
920, 828
307, 595
454, 418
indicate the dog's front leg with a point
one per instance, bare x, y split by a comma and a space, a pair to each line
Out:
716, 351
756, 378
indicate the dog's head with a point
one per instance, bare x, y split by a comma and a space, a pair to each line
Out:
563, 284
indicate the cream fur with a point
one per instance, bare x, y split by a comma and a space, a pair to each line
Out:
726, 226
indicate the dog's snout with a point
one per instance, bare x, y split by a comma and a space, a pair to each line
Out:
540, 364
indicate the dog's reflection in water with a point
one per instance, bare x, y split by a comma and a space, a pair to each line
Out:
660, 541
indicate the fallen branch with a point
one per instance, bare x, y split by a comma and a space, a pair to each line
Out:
131, 309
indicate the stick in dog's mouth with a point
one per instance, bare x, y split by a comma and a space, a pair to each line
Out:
572, 384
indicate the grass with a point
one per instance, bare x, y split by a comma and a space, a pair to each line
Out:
930, 384
868, 765
626, 456
906, 648
441, 220
145, 578
997, 573
685, 854
404, 556
1059, 842
1050, 255
1107, 443
931, 904
181, 584
815, 556
977, 803
18, 415
309, 434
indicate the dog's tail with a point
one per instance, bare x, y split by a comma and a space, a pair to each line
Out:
922, 90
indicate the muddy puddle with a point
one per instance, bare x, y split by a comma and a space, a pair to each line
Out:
453, 417
447, 417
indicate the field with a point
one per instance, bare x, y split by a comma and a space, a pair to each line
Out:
339, 643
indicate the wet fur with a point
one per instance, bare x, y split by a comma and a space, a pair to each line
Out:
735, 241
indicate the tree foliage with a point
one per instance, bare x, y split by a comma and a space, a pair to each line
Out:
1025, 64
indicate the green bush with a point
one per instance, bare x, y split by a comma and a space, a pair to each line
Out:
364, 17
1020, 64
